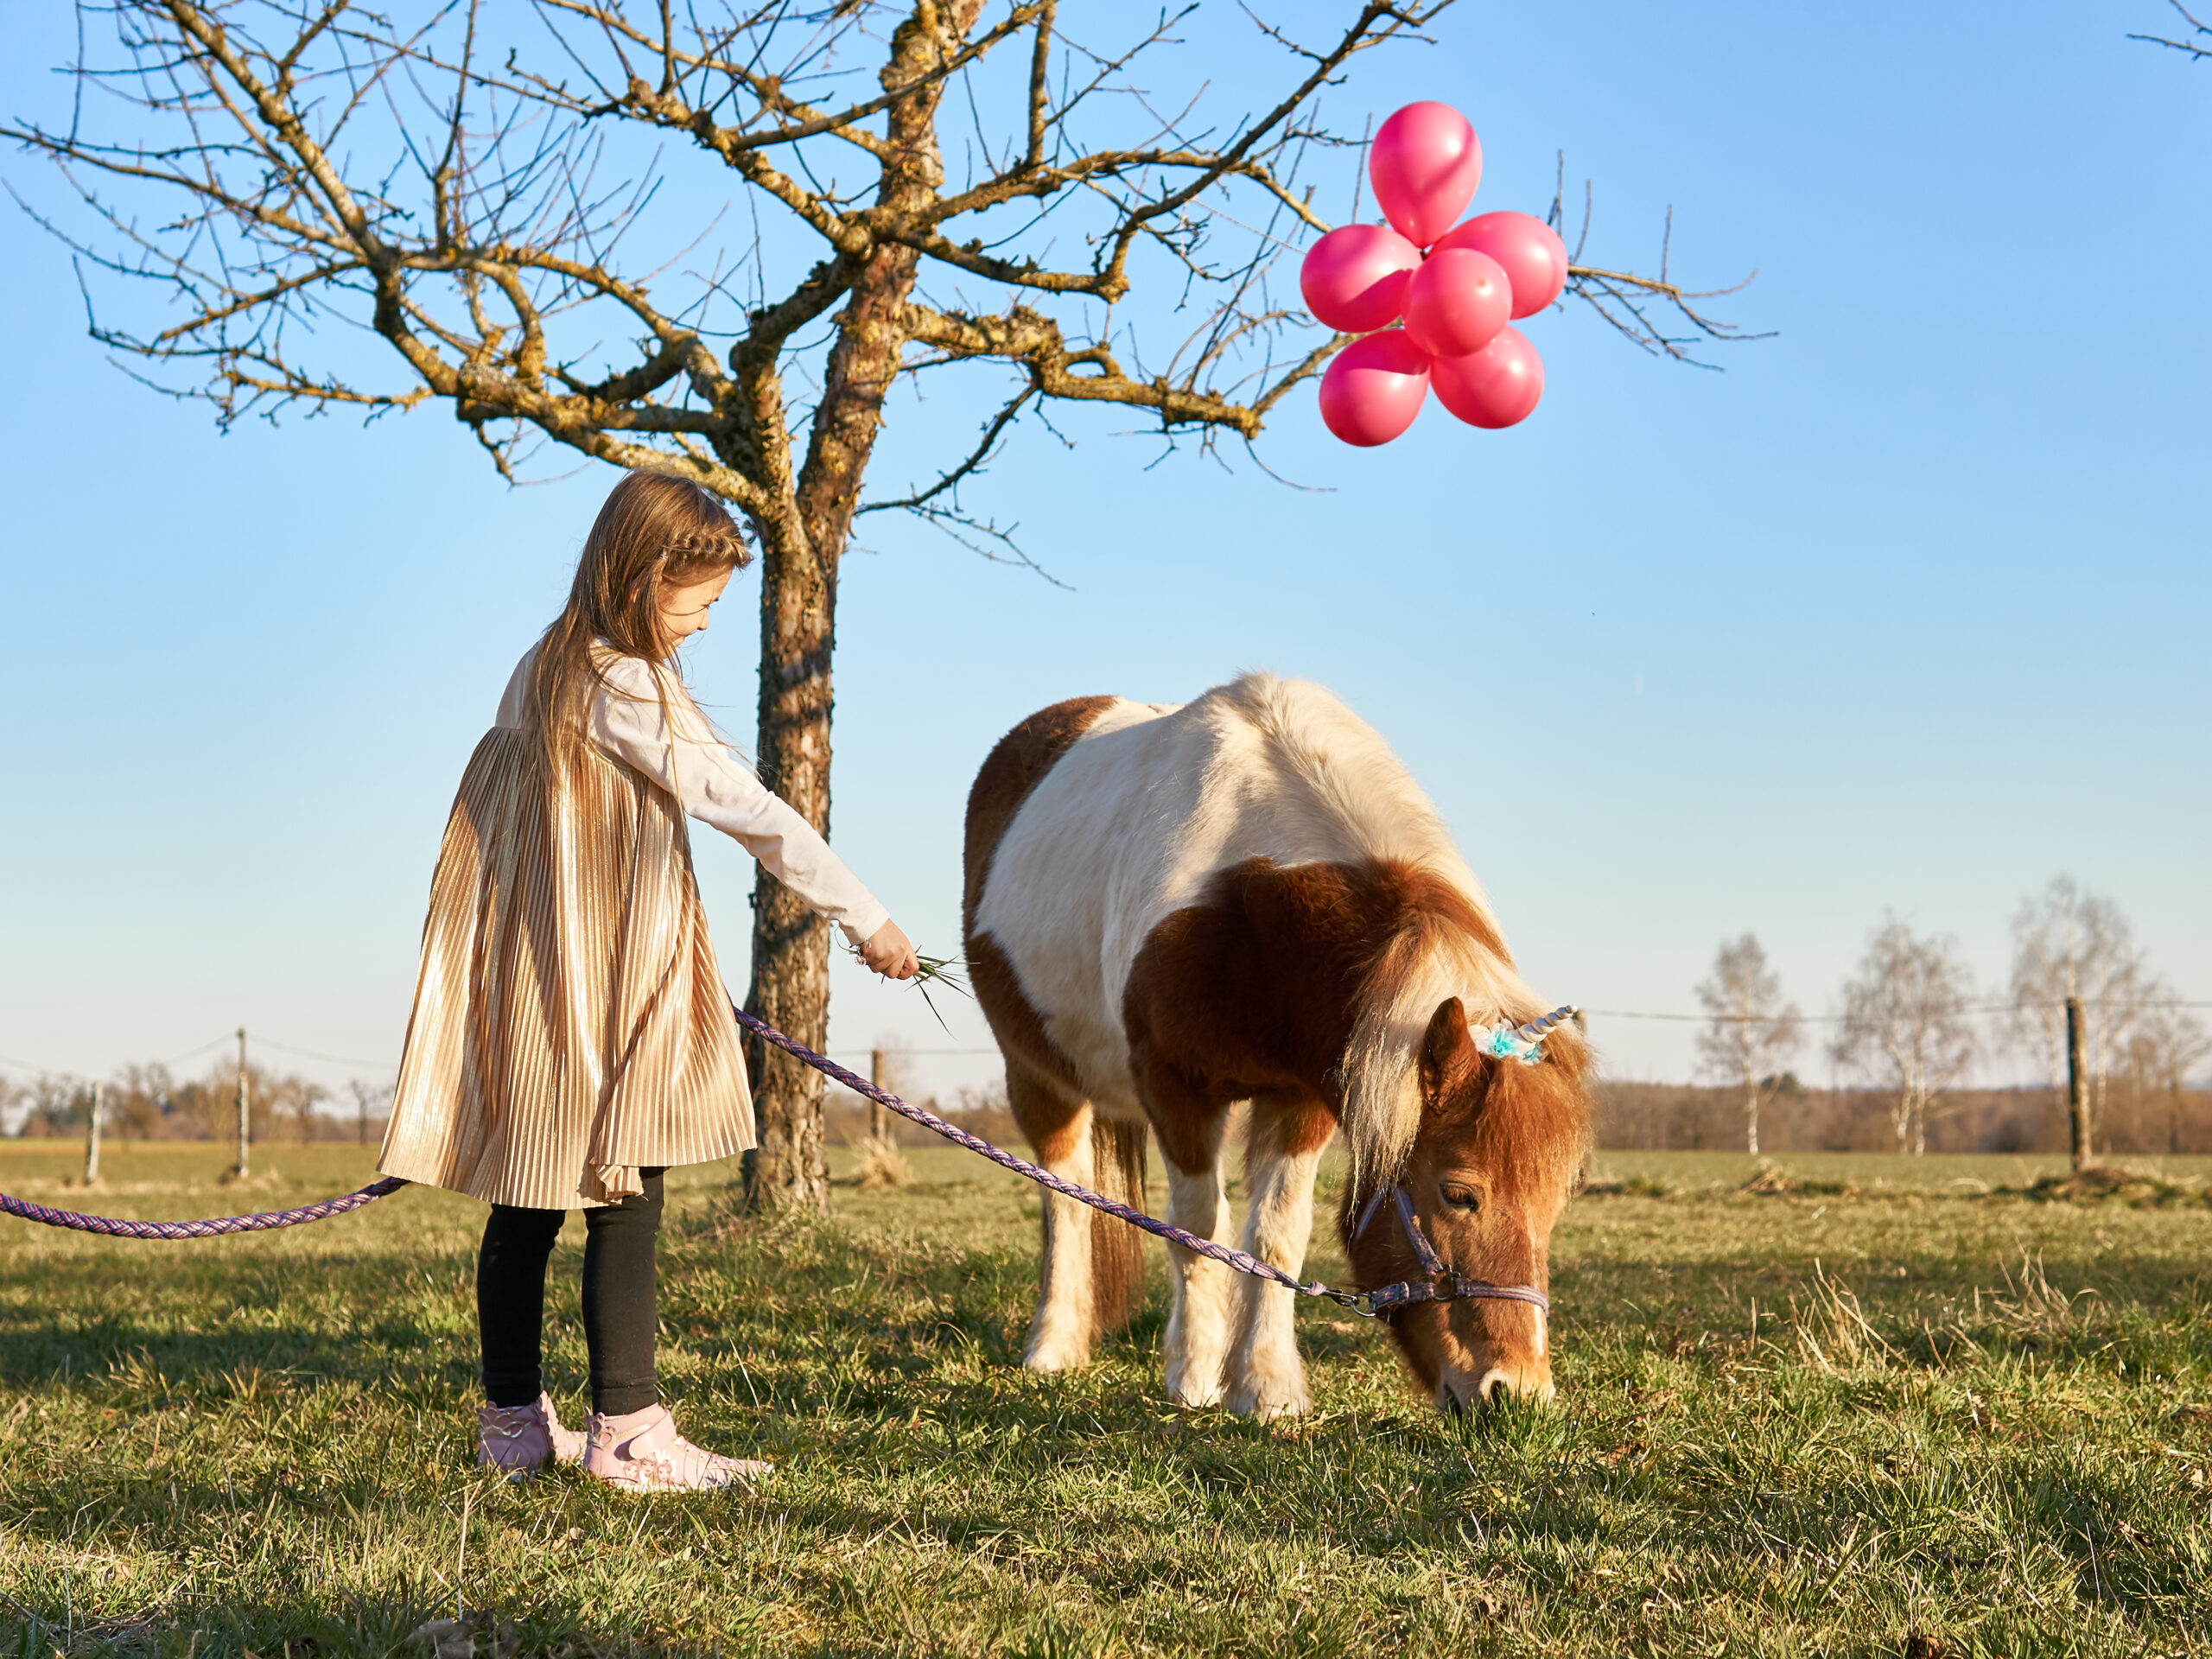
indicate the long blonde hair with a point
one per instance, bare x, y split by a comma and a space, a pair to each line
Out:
654, 532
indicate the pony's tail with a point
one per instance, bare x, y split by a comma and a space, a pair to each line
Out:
1117, 1163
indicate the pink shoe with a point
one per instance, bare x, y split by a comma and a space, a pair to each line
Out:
642, 1451
522, 1439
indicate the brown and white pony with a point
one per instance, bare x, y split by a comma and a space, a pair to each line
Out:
1171, 909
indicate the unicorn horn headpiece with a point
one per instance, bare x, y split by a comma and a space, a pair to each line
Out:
1524, 1043
1536, 1030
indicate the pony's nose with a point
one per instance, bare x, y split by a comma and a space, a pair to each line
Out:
1499, 1385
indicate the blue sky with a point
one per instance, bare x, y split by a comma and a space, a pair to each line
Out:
1903, 612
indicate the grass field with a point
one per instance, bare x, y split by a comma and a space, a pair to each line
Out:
1897, 1408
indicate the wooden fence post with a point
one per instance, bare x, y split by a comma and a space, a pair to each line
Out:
246, 1110
879, 1118
93, 1134
2077, 1086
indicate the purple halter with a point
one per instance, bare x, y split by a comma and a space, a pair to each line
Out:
1442, 1285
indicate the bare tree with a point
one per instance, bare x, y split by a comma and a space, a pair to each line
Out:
53, 1103
1905, 1024
2196, 43
291, 1096
371, 1101
336, 211
137, 1097
208, 1108
2073, 942
2168, 1042
1751, 1030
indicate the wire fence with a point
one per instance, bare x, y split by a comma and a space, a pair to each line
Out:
1979, 1010
1976, 1010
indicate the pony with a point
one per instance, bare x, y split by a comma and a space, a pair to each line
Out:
1171, 909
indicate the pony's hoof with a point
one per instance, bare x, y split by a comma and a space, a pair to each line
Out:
1193, 1393
1275, 1397
1050, 1357
1195, 1399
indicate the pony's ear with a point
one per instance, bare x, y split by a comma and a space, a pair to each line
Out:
1447, 1050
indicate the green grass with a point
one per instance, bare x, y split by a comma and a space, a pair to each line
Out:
1887, 1412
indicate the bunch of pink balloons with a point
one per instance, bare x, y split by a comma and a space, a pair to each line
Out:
1434, 298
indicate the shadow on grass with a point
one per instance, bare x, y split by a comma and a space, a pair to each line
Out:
308, 1628
141, 1362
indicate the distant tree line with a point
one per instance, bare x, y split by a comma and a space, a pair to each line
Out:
1910, 1027
145, 1102
2140, 1119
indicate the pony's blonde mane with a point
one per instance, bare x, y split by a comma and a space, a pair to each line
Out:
1433, 957
1356, 802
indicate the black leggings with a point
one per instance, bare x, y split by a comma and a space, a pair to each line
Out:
619, 1315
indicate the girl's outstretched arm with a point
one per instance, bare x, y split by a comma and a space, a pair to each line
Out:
628, 724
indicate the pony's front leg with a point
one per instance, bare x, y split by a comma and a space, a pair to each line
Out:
1266, 1377
1197, 1320
1059, 1336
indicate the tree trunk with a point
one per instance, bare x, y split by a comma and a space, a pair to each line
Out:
799, 603
790, 944
1751, 1114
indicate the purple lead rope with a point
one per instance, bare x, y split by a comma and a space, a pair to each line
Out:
1442, 1284
212, 1227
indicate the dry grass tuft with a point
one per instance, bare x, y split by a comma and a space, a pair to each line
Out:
1832, 1332
882, 1164
1773, 1181
2031, 1305
1772, 1178
2120, 1182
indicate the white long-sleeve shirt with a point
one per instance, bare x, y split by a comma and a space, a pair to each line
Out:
627, 724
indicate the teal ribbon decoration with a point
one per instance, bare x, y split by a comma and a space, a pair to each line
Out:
1505, 1045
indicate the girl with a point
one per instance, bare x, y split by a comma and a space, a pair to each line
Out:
571, 1037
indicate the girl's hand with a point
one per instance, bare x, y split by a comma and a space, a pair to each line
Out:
890, 953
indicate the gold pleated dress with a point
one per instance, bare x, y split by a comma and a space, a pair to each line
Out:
570, 1024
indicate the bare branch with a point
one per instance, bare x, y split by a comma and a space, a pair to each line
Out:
1057, 370
1040, 69
2201, 46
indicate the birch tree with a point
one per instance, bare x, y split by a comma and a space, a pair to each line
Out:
303, 206
1905, 1026
2168, 1043
2072, 942
1751, 1030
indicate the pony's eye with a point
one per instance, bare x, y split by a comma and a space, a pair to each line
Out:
1459, 1197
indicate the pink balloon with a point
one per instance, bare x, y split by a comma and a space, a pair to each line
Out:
1374, 387
1425, 164
1355, 278
1456, 302
1497, 386
1534, 258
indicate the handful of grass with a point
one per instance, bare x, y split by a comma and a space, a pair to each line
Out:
943, 971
